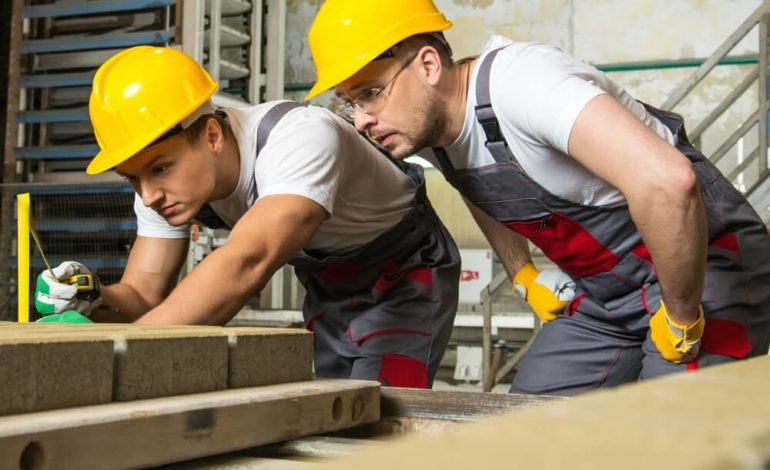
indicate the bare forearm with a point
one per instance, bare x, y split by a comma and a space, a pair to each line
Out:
121, 304
213, 292
674, 229
511, 248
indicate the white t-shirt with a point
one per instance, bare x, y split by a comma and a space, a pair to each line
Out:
537, 92
311, 152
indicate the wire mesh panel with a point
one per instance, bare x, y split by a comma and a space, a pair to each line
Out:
94, 225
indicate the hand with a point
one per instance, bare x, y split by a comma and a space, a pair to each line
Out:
53, 296
676, 342
70, 316
547, 292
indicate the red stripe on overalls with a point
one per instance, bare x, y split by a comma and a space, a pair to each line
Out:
725, 337
567, 244
390, 277
575, 304
726, 241
345, 271
311, 322
402, 371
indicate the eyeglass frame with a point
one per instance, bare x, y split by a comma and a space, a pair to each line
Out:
350, 105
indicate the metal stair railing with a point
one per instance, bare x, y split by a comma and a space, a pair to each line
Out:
760, 17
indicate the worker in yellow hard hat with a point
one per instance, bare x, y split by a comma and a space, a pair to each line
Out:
546, 148
295, 185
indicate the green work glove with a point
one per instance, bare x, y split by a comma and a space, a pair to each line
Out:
53, 296
547, 292
70, 316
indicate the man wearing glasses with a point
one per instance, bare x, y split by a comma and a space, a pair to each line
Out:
295, 184
672, 265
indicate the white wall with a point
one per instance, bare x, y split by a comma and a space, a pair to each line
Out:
596, 31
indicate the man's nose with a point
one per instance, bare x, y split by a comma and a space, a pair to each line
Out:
363, 121
149, 193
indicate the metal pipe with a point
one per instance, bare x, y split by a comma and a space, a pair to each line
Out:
618, 67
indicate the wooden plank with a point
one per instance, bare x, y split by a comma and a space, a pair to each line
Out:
165, 430
453, 406
715, 418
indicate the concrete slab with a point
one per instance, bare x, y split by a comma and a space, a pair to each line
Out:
264, 356
715, 418
158, 361
39, 374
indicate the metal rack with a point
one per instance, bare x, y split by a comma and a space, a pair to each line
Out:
55, 48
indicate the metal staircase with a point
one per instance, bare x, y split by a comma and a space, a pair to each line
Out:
749, 173
55, 48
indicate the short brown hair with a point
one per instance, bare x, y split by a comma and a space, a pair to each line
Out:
193, 133
435, 40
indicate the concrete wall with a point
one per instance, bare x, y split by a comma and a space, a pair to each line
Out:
596, 31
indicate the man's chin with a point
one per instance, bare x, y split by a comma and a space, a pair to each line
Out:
178, 219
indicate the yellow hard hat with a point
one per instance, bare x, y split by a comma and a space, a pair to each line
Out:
138, 95
348, 34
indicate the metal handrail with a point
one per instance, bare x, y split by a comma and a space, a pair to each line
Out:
685, 88
717, 112
761, 17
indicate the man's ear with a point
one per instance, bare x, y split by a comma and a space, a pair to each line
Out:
214, 135
430, 64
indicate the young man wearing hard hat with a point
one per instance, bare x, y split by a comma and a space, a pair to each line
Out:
547, 148
296, 184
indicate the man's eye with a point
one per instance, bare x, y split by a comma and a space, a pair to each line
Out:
369, 93
159, 169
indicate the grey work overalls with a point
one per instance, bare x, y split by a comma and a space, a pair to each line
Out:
602, 337
385, 311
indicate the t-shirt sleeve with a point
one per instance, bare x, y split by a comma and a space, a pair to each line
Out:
303, 157
150, 224
542, 90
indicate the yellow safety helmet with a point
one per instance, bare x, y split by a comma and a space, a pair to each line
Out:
138, 95
348, 34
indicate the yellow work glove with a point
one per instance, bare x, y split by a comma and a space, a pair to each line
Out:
677, 343
547, 292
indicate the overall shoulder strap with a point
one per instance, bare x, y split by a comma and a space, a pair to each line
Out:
206, 215
270, 119
485, 115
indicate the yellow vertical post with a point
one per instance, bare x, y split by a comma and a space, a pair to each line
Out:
22, 253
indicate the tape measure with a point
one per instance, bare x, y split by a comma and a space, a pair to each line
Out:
87, 284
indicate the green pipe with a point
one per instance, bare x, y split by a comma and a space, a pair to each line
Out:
673, 64
624, 67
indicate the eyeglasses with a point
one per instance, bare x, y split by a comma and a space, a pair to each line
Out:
372, 100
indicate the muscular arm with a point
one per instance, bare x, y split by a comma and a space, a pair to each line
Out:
662, 193
511, 248
271, 232
151, 272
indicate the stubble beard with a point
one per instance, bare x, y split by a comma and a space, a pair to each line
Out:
426, 124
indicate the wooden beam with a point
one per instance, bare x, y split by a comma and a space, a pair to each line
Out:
164, 430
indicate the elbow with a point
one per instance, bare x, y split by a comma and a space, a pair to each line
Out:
683, 184
676, 185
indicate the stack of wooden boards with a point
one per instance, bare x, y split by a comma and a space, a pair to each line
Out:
121, 396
